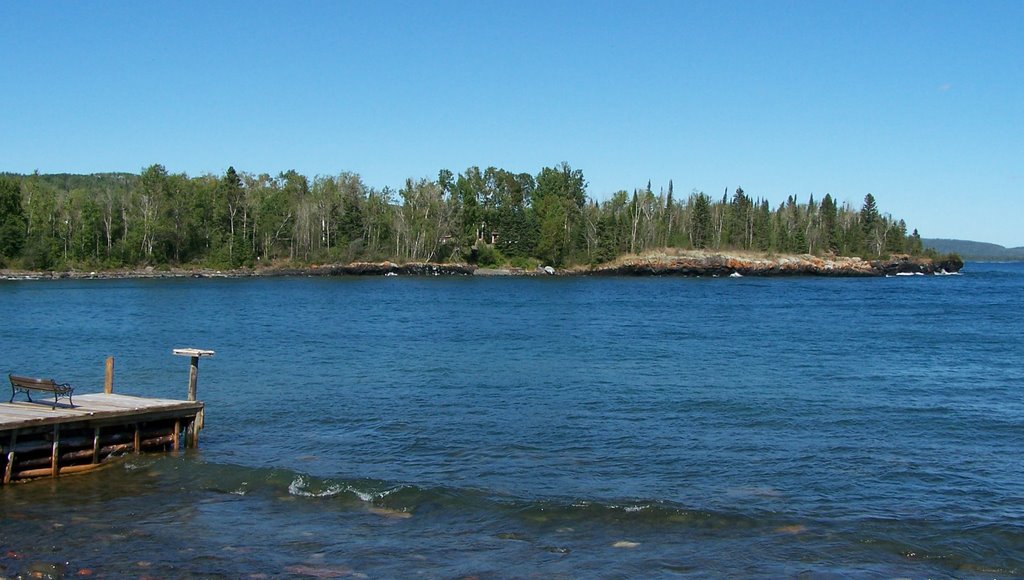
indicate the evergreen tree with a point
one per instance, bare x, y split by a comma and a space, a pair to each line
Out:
700, 220
232, 200
914, 245
12, 219
740, 220
872, 228
762, 235
828, 223
668, 217
896, 237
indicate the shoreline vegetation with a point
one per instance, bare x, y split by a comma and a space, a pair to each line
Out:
491, 221
683, 264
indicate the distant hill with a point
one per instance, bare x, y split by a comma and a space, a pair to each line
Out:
975, 251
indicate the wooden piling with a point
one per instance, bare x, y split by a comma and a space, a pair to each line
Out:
10, 458
96, 445
55, 457
193, 376
108, 383
193, 370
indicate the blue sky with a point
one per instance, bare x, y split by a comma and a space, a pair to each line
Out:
918, 103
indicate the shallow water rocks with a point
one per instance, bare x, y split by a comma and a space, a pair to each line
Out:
390, 268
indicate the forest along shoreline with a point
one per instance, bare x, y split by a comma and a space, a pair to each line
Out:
688, 264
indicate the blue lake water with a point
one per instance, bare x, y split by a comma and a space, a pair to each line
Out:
567, 427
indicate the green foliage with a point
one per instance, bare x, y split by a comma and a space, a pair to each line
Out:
553, 215
39, 255
489, 216
12, 220
487, 256
700, 220
524, 263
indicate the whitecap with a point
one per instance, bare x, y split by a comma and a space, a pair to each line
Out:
635, 508
299, 487
369, 496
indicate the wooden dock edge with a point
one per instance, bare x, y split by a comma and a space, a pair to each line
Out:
51, 447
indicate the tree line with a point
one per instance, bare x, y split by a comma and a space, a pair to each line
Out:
487, 217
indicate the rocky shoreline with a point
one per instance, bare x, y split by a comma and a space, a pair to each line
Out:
691, 264
731, 265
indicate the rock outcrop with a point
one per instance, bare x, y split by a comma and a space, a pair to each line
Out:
706, 264
696, 263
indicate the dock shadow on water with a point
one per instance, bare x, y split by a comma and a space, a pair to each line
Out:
520, 427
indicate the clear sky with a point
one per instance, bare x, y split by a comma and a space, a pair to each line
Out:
919, 103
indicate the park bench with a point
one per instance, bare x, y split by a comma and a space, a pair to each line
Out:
29, 384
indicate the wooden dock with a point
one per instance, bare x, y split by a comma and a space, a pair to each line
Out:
45, 438
38, 441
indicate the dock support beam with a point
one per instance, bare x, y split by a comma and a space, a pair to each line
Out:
55, 458
10, 458
96, 445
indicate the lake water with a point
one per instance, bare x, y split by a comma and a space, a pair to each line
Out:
554, 427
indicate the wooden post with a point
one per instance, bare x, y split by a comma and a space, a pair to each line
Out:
10, 458
177, 435
193, 376
189, 433
194, 354
197, 426
96, 444
192, 430
137, 446
108, 383
193, 369
55, 459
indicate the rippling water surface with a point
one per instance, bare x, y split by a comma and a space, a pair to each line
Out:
447, 427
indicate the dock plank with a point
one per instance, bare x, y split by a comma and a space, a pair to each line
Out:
88, 406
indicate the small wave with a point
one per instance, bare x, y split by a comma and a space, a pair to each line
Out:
370, 496
300, 487
306, 486
635, 508
401, 500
